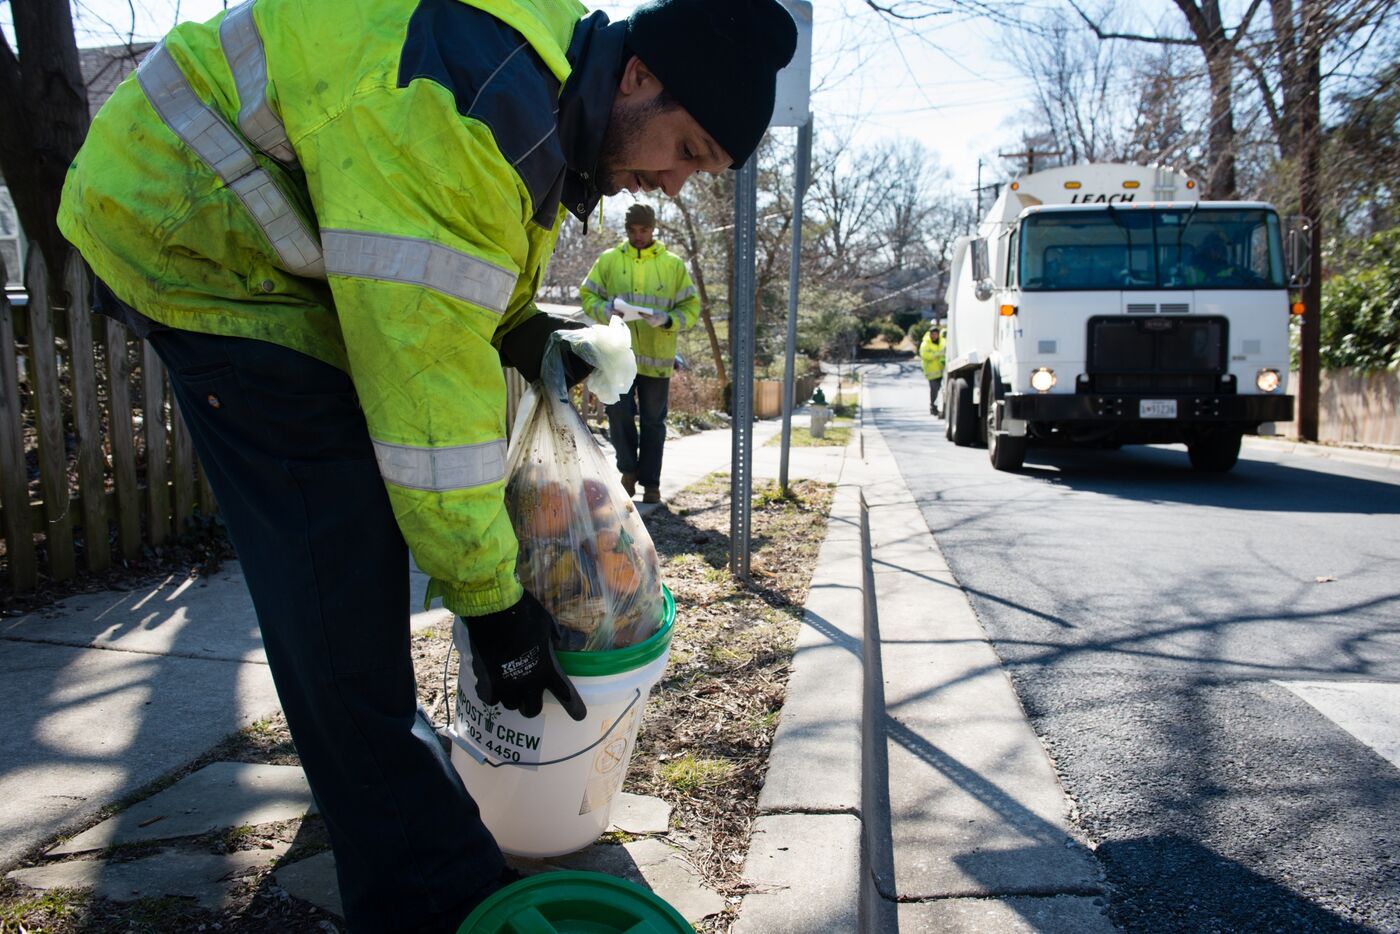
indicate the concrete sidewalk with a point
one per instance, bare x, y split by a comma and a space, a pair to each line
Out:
905, 789
106, 693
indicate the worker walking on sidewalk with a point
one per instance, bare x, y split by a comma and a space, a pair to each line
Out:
329, 218
642, 274
931, 355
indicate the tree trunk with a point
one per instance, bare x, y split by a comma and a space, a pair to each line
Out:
44, 110
1290, 77
697, 273
1220, 181
1208, 34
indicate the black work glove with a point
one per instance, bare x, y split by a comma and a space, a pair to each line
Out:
513, 658
524, 346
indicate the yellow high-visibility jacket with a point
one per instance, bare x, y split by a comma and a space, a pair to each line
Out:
374, 183
652, 278
931, 354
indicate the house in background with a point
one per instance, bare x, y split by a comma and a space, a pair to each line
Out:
103, 69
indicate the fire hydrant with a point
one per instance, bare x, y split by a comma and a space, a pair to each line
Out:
819, 415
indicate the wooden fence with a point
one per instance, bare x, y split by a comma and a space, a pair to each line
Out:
700, 394
94, 459
1355, 408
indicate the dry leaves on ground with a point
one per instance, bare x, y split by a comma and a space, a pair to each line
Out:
703, 744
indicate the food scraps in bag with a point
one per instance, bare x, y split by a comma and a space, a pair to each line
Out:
584, 552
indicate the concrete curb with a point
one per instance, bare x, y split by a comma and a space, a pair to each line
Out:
804, 862
1381, 459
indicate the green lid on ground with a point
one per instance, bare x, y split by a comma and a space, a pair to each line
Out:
574, 903
616, 661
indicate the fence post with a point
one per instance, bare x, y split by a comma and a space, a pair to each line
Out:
92, 484
153, 418
53, 455
14, 472
123, 440
181, 467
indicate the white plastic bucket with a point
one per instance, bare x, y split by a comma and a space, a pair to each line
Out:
545, 785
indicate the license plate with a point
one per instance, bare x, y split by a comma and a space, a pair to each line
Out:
1157, 408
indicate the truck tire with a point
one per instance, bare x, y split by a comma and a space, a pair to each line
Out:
963, 423
1214, 451
1003, 450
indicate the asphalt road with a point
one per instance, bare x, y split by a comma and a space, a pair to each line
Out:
1160, 627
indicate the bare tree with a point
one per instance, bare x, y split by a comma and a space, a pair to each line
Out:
1303, 33
1077, 86
1219, 46
845, 206
690, 231
1164, 112
578, 248
44, 110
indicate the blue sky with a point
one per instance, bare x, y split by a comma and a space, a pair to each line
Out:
949, 82
872, 80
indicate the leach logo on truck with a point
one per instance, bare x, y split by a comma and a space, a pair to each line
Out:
1101, 198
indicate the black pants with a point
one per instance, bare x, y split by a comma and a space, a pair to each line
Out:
285, 446
650, 396
934, 385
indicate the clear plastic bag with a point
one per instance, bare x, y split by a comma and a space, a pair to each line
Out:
584, 552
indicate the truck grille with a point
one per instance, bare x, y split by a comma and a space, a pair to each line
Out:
1157, 354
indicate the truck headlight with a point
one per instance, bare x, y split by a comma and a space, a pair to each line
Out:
1043, 379
1267, 380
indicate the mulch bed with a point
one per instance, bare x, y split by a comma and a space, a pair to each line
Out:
703, 744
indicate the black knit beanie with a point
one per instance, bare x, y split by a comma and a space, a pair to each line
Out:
719, 59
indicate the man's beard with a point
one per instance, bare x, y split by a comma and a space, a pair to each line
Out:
626, 124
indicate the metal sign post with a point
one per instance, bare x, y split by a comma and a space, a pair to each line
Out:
791, 107
741, 324
804, 161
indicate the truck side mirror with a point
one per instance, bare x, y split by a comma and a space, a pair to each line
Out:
1297, 251
981, 270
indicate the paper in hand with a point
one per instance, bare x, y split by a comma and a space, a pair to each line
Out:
632, 312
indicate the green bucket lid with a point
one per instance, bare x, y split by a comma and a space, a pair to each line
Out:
574, 902
616, 661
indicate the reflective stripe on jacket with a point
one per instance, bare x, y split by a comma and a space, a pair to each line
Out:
374, 183
931, 354
655, 279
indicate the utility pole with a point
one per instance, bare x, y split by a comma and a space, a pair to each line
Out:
994, 187
1029, 155
800, 178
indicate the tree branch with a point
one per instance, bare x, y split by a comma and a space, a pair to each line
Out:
1243, 27
1131, 37
1197, 21
892, 13
1265, 91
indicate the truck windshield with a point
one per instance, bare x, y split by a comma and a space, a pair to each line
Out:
1209, 248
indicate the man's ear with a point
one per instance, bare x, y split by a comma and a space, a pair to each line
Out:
637, 79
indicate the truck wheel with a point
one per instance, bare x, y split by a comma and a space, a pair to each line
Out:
964, 414
1004, 451
1214, 451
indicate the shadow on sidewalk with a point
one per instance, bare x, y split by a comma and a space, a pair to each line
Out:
111, 699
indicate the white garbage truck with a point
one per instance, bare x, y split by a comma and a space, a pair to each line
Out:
1102, 305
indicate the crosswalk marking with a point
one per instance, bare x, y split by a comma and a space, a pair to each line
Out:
1368, 710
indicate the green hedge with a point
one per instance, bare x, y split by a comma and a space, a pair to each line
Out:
1361, 309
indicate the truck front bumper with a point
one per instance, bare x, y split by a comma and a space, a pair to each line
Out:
1104, 409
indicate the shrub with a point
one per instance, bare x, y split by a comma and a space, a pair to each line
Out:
1361, 309
918, 329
